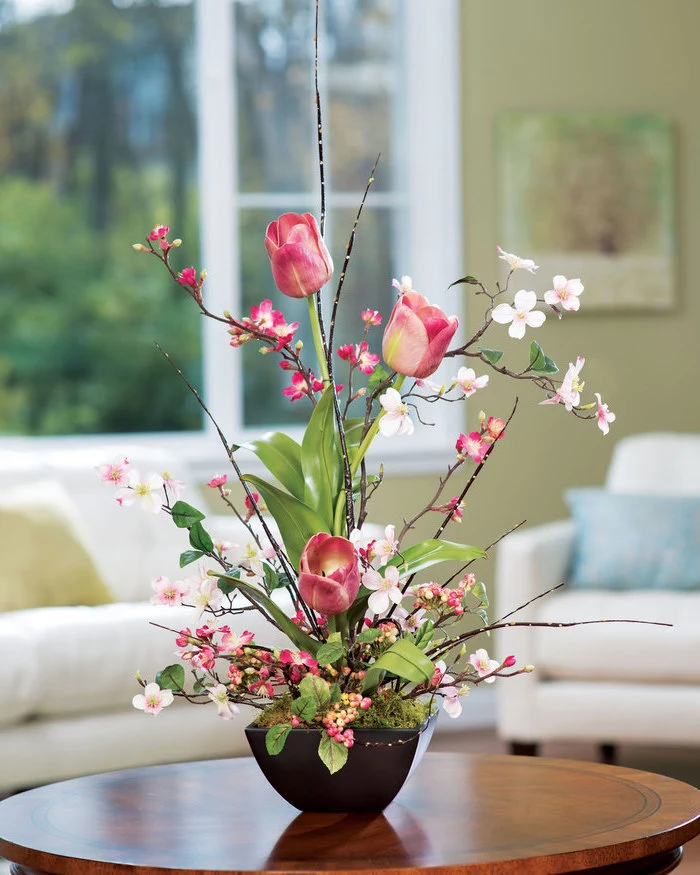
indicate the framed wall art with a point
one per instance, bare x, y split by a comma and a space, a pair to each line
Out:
591, 195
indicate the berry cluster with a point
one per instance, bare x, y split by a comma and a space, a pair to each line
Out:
345, 712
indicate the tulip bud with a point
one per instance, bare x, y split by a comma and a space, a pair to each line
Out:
417, 336
329, 576
301, 263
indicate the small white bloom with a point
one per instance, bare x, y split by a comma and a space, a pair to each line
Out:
153, 699
383, 549
468, 381
406, 284
569, 393
565, 293
451, 704
219, 695
148, 492
385, 589
520, 315
515, 262
396, 419
205, 594
483, 665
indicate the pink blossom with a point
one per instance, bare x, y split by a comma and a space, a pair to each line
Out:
371, 317
232, 643
158, 232
603, 415
298, 389
381, 550
366, 360
167, 592
495, 427
153, 699
565, 293
483, 665
451, 703
114, 472
347, 353
188, 277
472, 445
218, 480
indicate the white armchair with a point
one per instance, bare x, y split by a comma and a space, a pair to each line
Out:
609, 683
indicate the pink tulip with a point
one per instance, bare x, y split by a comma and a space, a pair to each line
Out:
417, 336
301, 263
329, 577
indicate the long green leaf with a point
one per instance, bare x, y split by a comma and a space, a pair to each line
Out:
268, 607
426, 553
297, 522
404, 660
321, 460
281, 455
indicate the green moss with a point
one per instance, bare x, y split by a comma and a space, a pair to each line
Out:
388, 711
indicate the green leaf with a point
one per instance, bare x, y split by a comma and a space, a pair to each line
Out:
336, 693
468, 280
368, 636
330, 652
184, 515
305, 708
426, 553
189, 556
353, 429
272, 581
201, 539
297, 522
226, 584
317, 689
333, 754
479, 592
379, 375
424, 635
404, 660
491, 355
321, 460
281, 455
172, 677
273, 612
275, 738
539, 362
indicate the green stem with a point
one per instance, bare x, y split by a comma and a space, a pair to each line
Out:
372, 433
318, 341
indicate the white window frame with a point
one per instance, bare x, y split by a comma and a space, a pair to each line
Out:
433, 227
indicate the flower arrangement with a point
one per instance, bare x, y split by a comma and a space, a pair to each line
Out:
374, 639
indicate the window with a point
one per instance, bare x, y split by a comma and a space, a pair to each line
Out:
389, 80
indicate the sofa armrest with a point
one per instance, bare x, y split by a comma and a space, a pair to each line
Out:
532, 562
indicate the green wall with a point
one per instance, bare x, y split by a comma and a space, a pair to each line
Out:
612, 55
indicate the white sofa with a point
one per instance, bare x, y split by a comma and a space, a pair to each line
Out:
67, 673
611, 683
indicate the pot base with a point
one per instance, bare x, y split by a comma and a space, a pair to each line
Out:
379, 763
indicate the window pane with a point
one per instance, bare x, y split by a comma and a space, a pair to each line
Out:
97, 144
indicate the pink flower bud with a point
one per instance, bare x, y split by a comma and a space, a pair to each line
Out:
417, 336
329, 576
301, 263
509, 661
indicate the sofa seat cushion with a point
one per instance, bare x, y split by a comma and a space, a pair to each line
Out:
618, 651
84, 659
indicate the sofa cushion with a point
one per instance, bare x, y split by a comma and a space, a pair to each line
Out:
84, 659
618, 651
635, 541
45, 560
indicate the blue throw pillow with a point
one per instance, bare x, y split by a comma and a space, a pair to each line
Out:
635, 541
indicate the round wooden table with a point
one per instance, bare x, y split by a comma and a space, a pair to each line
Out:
458, 813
